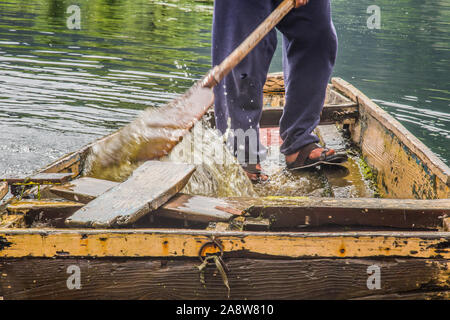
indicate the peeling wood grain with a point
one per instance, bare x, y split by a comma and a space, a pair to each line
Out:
50, 213
198, 208
83, 189
150, 186
3, 189
293, 211
330, 114
187, 243
43, 178
406, 161
12, 221
248, 278
26, 205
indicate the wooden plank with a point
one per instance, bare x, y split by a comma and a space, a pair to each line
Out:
291, 212
256, 224
406, 167
274, 93
330, 114
73, 162
15, 243
49, 213
198, 208
12, 221
26, 205
83, 189
150, 186
249, 279
40, 178
274, 82
3, 189
219, 226
446, 224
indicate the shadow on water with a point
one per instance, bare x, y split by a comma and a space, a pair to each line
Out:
61, 88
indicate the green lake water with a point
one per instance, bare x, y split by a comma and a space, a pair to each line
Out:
61, 88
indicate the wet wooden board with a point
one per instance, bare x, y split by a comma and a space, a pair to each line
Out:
12, 221
42, 178
198, 208
26, 205
219, 226
255, 224
330, 114
290, 212
186, 243
150, 186
258, 279
3, 189
50, 213
84, 189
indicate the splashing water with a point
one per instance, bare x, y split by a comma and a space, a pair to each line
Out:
153, 135
218, 173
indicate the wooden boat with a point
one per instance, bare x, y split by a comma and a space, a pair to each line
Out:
178, 246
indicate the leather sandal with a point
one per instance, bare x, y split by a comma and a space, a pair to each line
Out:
304, 161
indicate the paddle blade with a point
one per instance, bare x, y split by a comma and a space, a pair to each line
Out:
151, 136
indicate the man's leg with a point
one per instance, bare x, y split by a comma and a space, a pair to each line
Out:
309, 52
239, 97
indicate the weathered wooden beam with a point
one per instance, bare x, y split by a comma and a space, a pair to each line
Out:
218, 226
405, 167
26, 205
274, 83
255, 279
3, 189
52, 213
186, 243
83, 189
40, 178
256, 224
198, 208
330, 114
12, 221
289, 212
149, 187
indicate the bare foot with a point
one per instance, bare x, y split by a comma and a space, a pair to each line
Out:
314, 154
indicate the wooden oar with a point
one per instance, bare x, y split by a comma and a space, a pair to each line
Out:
158, 130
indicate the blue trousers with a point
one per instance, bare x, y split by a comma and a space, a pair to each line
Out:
309, 53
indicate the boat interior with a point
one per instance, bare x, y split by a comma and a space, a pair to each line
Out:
390, 182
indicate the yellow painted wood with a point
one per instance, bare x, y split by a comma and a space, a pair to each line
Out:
3, 189
26, 205
446, 224
406, 167
187, 243
12, 221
